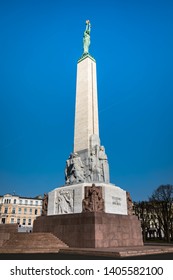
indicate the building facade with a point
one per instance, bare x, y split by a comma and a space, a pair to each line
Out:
155, 223
20, 210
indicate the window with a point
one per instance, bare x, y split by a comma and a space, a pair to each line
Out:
36, 211
14, 201
19, 210
20, 201
31, 202
18, 221
29, 222
26, 201
6, 210
30, 210
12, 220
25, 210
24, 221
7, 201
36, 203
13, 210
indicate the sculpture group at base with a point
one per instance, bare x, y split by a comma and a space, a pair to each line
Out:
90, 166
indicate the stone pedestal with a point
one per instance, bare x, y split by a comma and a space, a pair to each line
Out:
71, 199
92, 229
90, 216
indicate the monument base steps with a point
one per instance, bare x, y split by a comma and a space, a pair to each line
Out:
6, 230
4, 236
119, 252
32, 243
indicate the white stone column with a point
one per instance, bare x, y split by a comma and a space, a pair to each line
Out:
86, 111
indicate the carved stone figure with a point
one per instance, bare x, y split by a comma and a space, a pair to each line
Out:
129, 204
104, 164
86, 37
45, 204
93, 201
94, 166
74, 172
64, 202
94, 140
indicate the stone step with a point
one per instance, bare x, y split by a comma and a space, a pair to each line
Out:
28, 250
4, 228
4, 236
57, 246
32, 242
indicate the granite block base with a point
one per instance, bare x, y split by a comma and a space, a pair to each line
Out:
92, 229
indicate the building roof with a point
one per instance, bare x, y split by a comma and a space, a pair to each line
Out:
39, 197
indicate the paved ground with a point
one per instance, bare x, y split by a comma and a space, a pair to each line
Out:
60, 256
147, 252
135, 252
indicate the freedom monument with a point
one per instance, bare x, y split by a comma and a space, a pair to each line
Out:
89, 211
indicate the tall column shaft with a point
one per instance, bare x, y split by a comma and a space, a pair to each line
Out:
86, 111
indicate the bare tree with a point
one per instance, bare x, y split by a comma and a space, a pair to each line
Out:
162, 202
145, 212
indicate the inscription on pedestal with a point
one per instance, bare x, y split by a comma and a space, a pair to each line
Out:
116, 200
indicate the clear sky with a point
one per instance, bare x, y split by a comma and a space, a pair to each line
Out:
40, 43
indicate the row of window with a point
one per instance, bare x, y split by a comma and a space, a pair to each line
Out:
22, 221
8, 201
31, 202
6, 211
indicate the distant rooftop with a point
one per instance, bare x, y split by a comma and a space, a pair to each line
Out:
25, 197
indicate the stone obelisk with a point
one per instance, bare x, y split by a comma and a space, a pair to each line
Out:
86, 113
89, 211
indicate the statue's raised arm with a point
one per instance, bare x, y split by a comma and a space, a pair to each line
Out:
86, 38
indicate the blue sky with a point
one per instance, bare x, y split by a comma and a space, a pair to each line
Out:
40, 43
